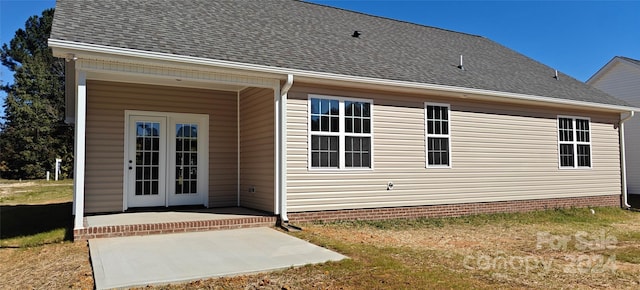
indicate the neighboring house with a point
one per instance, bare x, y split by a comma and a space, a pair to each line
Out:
620, 77
311, 112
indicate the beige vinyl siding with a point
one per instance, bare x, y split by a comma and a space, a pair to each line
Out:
623, 81
106, 104
499, 152
257, 149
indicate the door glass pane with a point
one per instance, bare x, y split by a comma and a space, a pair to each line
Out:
147, 157
186, 158
154, 187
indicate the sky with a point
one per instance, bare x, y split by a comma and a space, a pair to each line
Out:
13, 15
574, 37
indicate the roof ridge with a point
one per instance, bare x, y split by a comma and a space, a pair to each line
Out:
629, 59
388, 18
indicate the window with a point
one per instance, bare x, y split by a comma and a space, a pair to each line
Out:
340, 133
325, 125
574, 142
437, 134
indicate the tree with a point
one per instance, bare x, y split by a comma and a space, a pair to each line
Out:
34, 132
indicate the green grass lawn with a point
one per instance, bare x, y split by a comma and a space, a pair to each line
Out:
35, 213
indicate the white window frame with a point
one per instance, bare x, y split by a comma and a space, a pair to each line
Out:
574, 142
341, 134
427, 135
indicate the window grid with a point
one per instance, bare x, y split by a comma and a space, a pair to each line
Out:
340, 133
147, 158
437, 129
325, 128
357, 152
325, 115
582, 130
357, 121
324, 151
574, 142
566, 129
186, 158
357, 117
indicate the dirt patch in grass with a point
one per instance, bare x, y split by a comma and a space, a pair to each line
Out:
7, 189
36, 192
53, 266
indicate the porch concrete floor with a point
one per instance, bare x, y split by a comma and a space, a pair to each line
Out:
169, 215
161, 259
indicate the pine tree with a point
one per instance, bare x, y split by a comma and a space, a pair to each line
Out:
34, 132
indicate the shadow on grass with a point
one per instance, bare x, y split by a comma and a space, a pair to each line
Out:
27, 220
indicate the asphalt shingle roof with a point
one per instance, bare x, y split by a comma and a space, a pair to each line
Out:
305, 36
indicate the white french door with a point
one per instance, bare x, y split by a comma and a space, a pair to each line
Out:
166, 159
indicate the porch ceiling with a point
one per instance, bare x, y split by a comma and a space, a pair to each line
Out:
170, 75
163, 81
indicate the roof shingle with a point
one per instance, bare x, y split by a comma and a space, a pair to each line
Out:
305, 36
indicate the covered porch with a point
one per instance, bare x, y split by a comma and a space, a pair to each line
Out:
235, 178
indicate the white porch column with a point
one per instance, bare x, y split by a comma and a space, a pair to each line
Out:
276, 149
282, 126
281, 95
79, 149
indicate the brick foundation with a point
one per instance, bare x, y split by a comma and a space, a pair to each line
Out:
452, 210
171, 227
448, 210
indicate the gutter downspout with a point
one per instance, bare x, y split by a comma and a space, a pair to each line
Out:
282, 149
238, 148
623, 162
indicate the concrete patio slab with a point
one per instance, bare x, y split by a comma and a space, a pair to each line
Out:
161, 259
